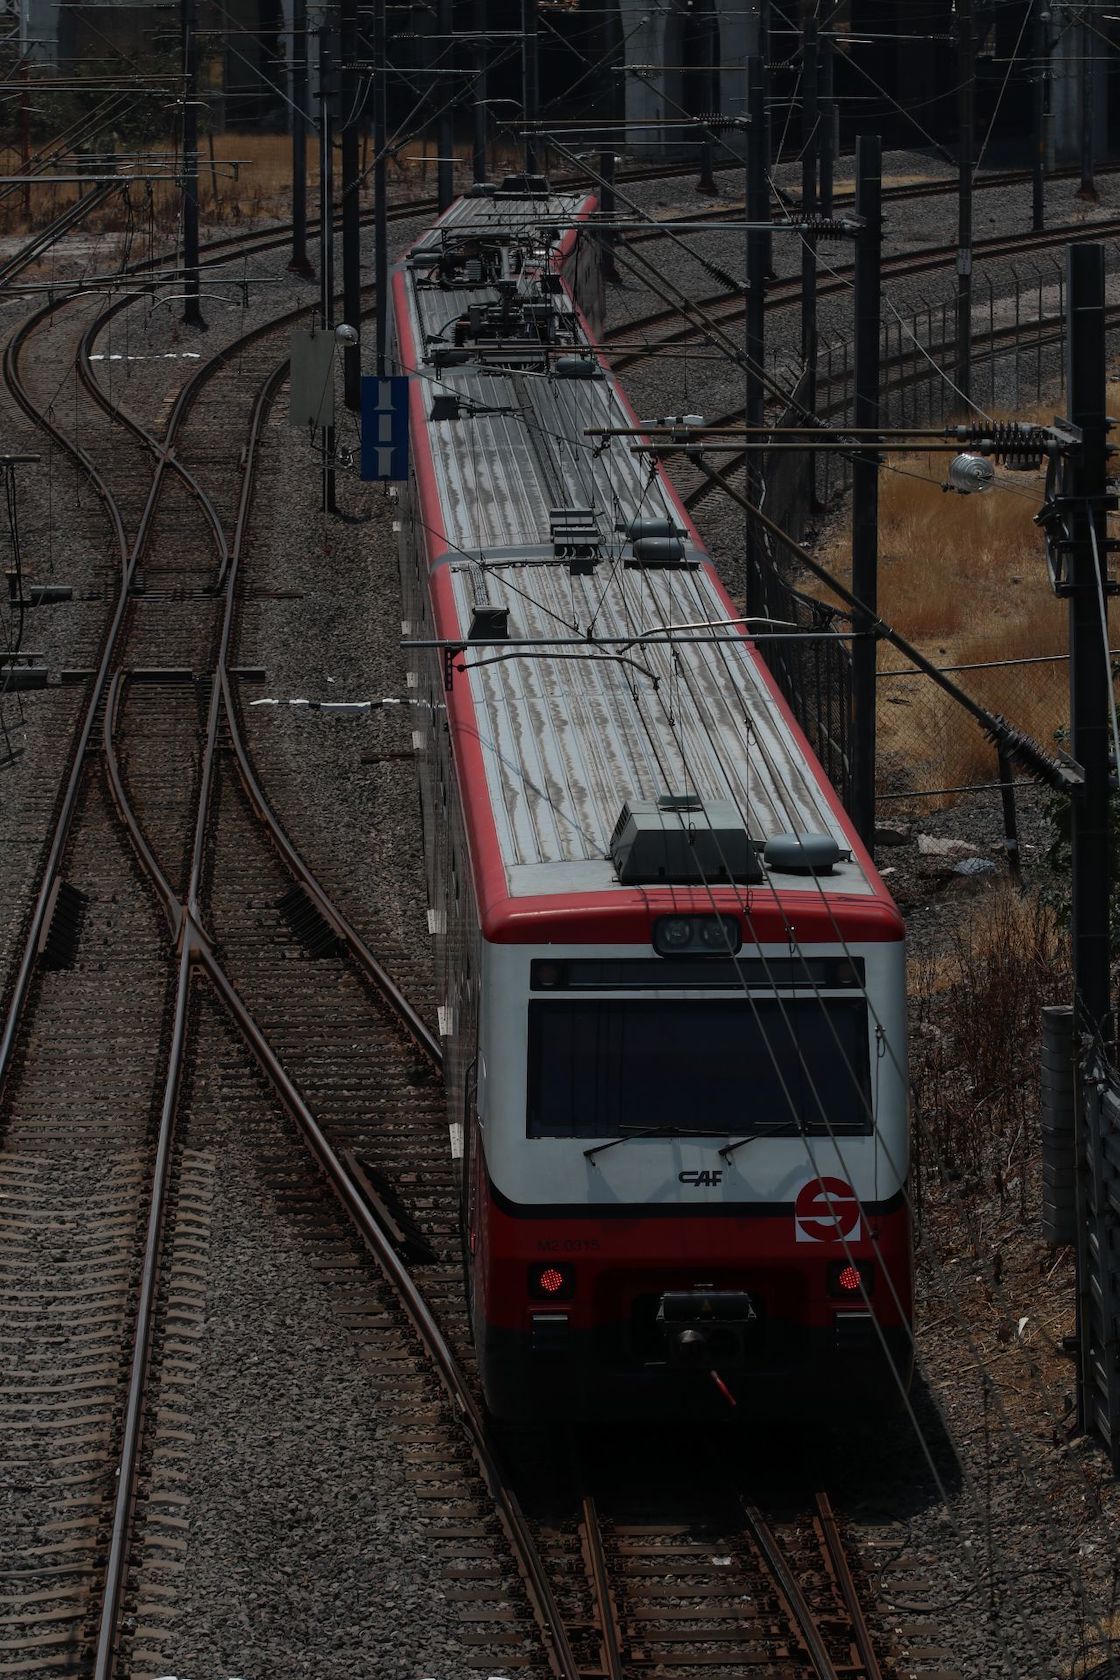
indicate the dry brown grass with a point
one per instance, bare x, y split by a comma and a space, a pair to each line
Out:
249, 183
258, 191
975, 1010
965, 579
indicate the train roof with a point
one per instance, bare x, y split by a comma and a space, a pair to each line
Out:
639, 683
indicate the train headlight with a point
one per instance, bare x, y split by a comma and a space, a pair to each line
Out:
712, 933
696, 936
554, 1280
673, 933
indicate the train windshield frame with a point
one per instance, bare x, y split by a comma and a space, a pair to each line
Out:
758, 1065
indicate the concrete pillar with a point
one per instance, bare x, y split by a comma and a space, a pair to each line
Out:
738, 41
654, 84
39, 28
284, 77
644, 31
1073, 41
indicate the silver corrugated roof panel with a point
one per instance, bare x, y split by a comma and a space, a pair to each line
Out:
569, 733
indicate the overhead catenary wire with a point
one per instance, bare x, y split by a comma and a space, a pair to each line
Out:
795, 945
810, 1147
551, 797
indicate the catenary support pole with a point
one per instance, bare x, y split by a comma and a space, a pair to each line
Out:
480, 95
865, 481
192, 308
810, 122
326, 235
1040, 53
768, 139
1090, 45
351, 104
1089, 680
708, 28
1085, 483
300, 263
445, 120
25, 127
758, 211
530, 69
828, 111
380, 191
966, 72
607, 162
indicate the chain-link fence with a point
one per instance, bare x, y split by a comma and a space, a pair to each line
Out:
929, 749
1018, 357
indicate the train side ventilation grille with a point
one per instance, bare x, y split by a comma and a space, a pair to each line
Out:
307, 925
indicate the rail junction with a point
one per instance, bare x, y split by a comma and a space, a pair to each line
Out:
180, 944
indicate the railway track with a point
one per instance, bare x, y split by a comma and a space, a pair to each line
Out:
899, 375
164, 810
725, 1588
245, 245
196, 836
720, 308
898, 192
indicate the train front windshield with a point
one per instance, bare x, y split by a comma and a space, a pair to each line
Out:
772, 1065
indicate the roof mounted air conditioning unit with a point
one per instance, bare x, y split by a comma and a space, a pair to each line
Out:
682, 840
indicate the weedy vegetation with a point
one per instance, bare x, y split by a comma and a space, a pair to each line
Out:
974, 1013
244, 180
965, 579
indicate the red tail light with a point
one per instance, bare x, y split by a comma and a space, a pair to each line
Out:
847, 1278
553, 1281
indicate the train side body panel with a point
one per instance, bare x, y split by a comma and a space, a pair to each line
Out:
684, 1180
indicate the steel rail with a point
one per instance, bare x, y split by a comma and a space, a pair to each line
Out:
84, 733
125, 1488
197, 950
899, 192
130, 556
216, 251
160, 450
41, 241
786, 292
184, 918
542, 1598
408, 1016
168, 897
896, 362
187, 935
794, 1603
842, 1572
262, 240
595, 1557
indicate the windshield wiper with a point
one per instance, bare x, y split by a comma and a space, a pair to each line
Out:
665, 1130
781, 1130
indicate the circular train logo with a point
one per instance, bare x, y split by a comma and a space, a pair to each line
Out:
826, 1210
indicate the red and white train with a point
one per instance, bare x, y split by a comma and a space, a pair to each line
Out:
673, 982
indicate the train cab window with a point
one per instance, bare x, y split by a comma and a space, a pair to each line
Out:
778, 1066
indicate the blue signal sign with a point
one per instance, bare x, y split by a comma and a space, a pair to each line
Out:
384, 428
